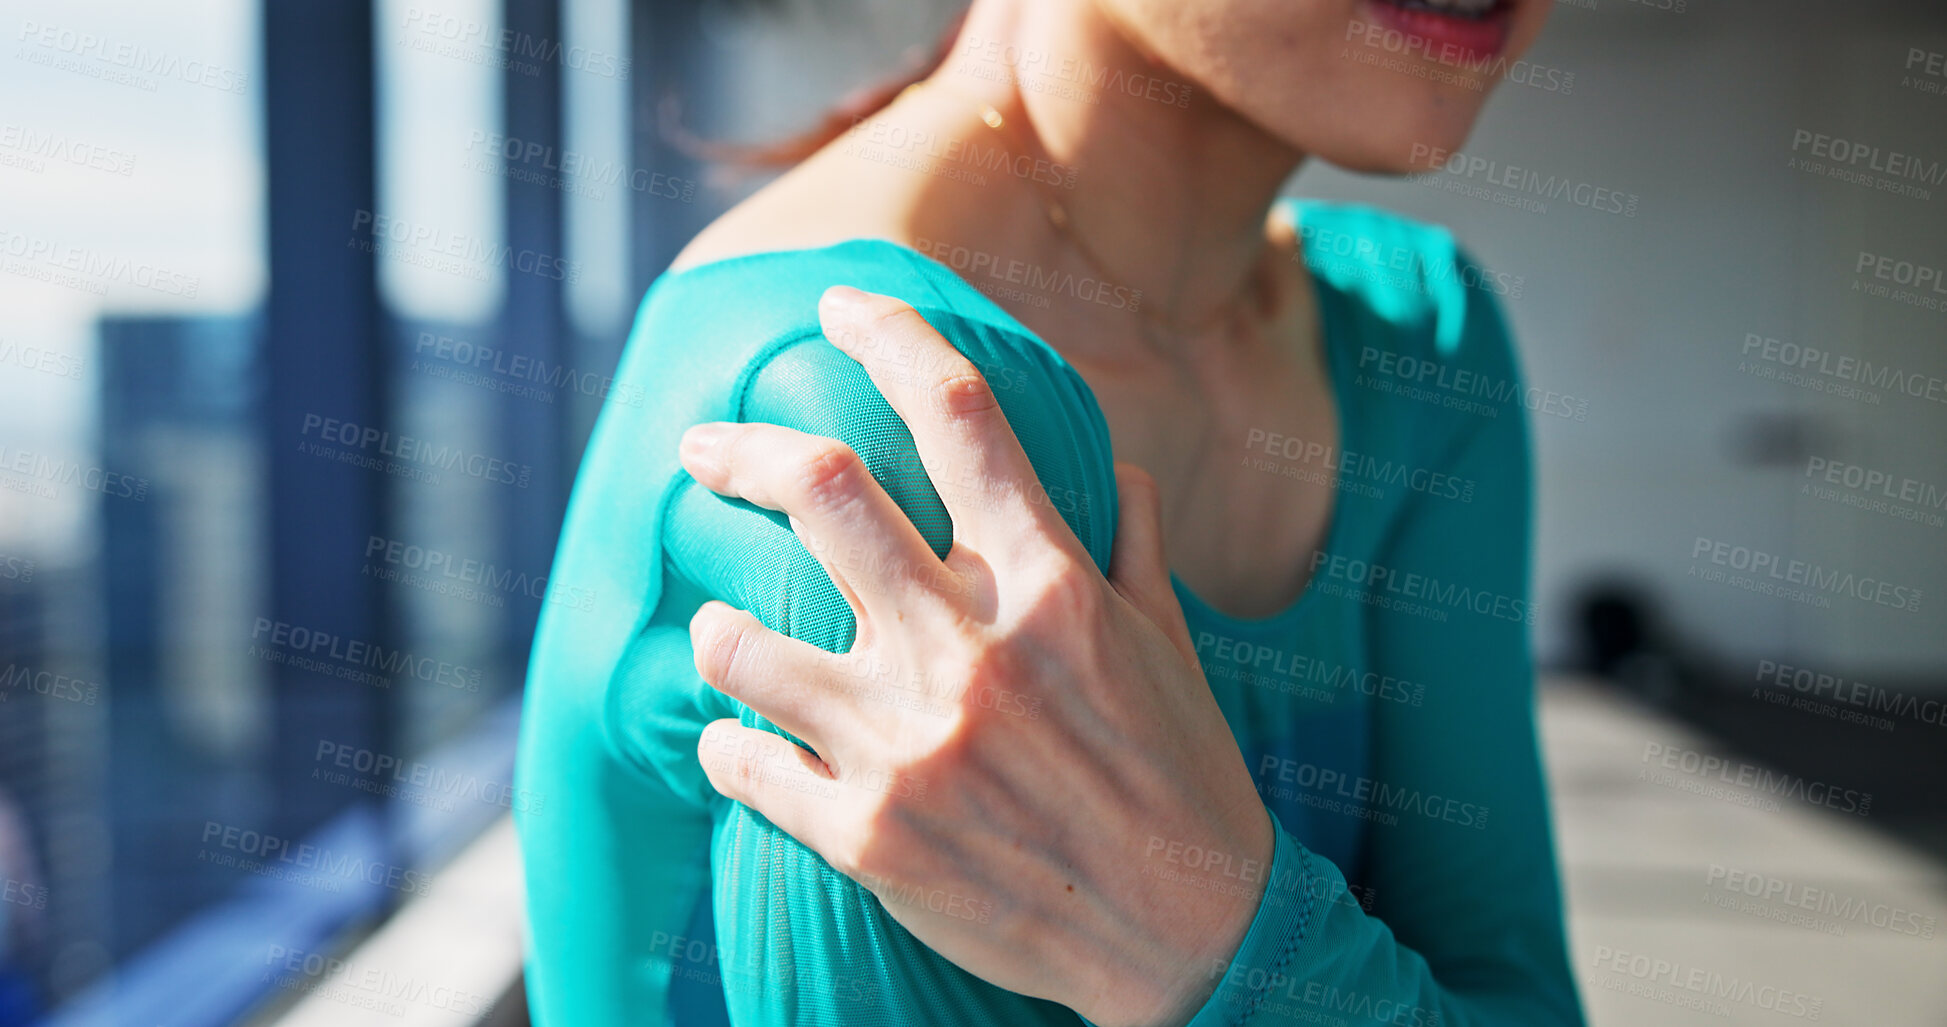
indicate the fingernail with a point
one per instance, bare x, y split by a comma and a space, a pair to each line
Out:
840, 300
700, 442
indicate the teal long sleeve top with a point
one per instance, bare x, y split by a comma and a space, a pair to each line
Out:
1386, 714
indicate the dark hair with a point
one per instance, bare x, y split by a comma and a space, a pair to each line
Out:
853, 108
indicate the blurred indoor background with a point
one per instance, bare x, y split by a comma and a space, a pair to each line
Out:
309, 306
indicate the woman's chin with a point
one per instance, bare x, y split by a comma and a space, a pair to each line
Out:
1423, 146
1406, 158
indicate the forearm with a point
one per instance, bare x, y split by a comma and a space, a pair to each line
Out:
1314, 954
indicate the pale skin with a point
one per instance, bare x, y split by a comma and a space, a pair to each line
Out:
1045, 819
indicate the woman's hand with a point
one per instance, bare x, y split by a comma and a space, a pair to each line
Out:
1053, 800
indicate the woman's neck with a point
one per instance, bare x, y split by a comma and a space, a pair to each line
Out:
1171, 189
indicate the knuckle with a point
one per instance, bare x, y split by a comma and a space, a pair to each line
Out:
747, 770
832, 475
748, 766
1068, 590
963, 392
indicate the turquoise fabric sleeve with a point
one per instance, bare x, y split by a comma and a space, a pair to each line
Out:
628, 834
799, 943
630, 845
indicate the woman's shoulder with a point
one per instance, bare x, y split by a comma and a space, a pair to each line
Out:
742, 297
738, 338
766, 290
1420, 296
705, 327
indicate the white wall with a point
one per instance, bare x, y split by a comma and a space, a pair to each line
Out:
1697, 113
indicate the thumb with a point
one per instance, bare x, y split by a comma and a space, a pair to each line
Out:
1138, 568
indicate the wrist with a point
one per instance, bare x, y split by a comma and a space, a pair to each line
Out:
1205, 901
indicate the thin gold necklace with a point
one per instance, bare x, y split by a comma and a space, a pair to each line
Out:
1064, 226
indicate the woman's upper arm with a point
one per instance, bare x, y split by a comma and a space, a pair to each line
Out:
796, 941
749, 557
1466, 876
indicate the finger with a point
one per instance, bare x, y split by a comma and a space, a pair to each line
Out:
964, 441
793, 684
1138, 565
839, 511
829, 560
787, 785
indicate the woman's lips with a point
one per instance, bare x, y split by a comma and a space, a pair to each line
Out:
1449, 31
